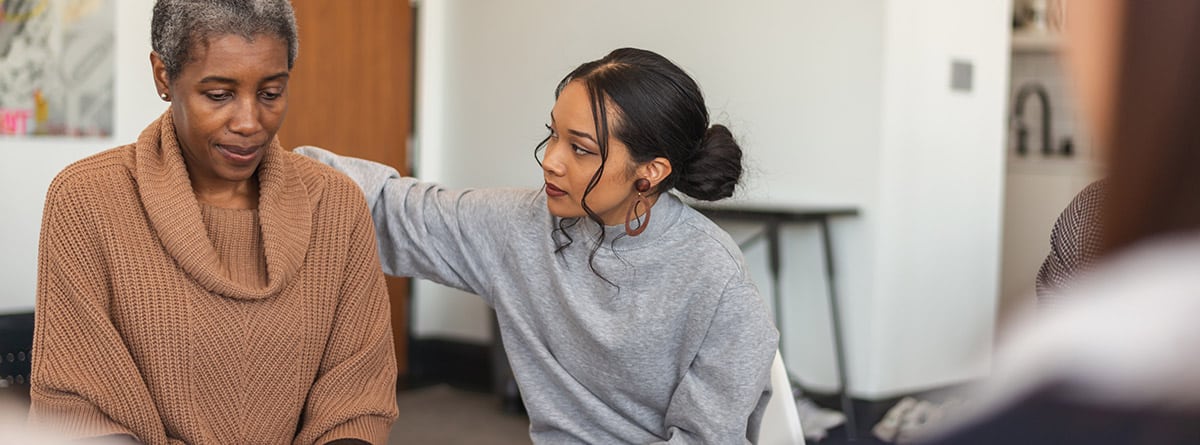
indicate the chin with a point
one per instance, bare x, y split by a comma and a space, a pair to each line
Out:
559, 211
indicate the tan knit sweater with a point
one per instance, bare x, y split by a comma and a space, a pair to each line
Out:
172, 324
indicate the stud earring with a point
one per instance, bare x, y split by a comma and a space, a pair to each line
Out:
642, 185
164, 96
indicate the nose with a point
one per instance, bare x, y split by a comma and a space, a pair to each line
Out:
246, 119
552, 160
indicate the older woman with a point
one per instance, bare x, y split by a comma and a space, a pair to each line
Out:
202, 285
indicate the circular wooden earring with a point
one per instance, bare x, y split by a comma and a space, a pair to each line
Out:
164, 96
642, 185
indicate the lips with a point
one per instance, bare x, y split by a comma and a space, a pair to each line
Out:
553, 191
239, 154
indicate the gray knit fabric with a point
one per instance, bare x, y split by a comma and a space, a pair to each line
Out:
677, 349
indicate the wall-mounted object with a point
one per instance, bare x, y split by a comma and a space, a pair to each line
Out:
961, 75
57, 69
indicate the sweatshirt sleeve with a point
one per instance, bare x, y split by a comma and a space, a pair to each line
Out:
354, 395
84, 381
721, 397
426, 231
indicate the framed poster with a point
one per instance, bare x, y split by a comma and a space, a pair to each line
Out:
57, 68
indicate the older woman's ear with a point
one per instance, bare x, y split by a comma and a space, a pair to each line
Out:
161, 81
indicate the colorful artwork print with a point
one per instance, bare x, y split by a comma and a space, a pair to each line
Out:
57, 68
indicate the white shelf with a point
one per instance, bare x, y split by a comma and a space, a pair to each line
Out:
1036, 42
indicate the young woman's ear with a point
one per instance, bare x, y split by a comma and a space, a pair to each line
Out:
656, 171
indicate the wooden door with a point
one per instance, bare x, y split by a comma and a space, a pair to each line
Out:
351, 92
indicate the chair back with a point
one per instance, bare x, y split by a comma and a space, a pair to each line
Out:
16, 341
780, 421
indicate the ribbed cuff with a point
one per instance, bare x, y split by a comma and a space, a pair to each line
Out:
72, 421
372, 429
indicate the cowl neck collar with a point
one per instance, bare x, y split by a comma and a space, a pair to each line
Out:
285, 214
664, 214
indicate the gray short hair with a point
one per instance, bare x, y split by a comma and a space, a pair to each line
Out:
178, 25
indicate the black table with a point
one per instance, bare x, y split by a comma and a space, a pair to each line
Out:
773, 217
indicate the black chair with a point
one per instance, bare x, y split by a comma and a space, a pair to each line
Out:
16, 343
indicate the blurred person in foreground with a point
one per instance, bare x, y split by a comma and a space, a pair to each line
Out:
1115, 362
202, 285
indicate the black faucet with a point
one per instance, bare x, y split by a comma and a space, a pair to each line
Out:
1022, 132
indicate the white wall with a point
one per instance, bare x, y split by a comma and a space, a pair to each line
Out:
834, 103
30, 163
488, 71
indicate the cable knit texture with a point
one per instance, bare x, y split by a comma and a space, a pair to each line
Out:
176, 322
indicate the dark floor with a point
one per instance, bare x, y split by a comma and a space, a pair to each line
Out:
443, 414
870, 412
867, 414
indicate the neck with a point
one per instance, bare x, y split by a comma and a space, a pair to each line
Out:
227, 194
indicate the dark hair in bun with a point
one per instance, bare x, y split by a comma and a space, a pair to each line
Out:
715, 169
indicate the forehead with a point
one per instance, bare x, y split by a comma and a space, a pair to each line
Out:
573, 103
234, 56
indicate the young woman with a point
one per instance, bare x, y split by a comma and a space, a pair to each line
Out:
627, 316
203, 285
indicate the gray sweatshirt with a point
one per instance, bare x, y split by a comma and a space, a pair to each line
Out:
677, 349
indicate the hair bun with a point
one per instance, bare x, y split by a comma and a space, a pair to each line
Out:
714, 171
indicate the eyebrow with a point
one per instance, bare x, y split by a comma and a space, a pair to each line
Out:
219, 79
583, 135
576, 133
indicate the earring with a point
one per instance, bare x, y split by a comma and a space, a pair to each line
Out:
642, 185
164, 96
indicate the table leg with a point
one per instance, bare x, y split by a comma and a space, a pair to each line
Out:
773, 259
839, 346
